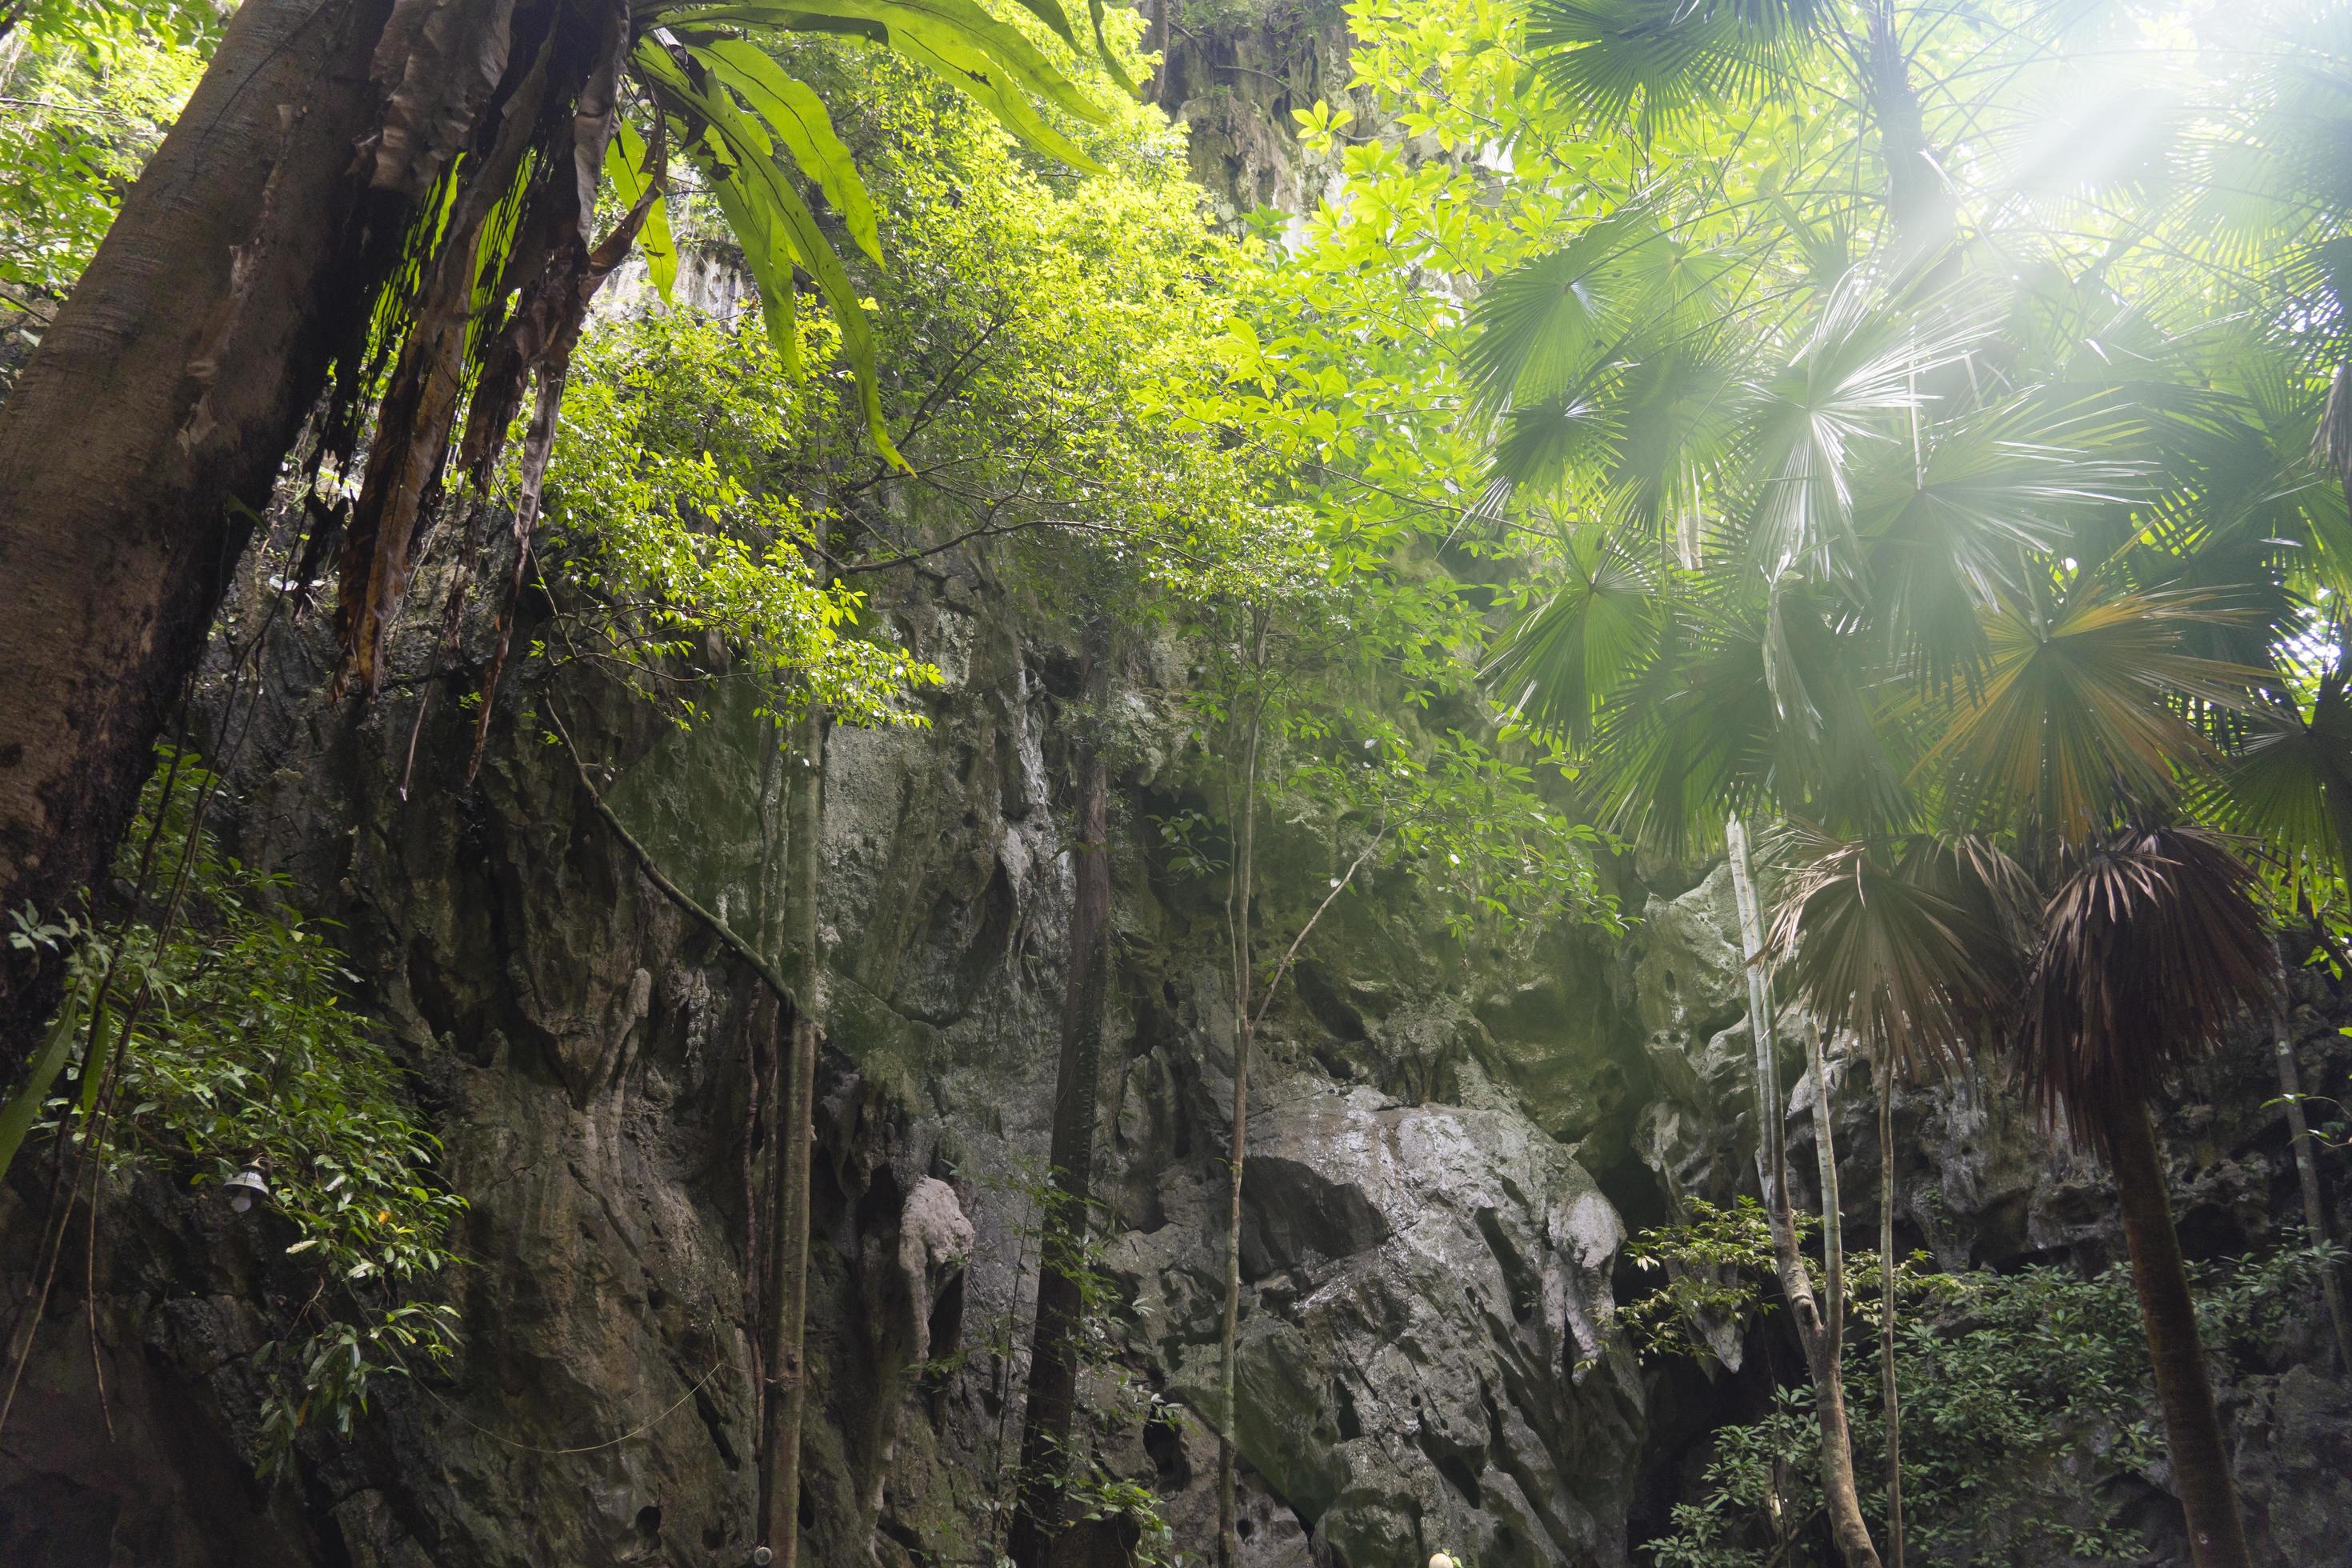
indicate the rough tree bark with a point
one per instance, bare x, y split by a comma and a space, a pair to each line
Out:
148, 426
1054, 1366
1821, 1338
1919, 202
787, 1404
2192, 1428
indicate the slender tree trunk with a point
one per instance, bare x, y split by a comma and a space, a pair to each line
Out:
1054, 1363
148, 430
2306, 1170
1821, 1340
2192, 1428
1244, 1037
1160, 16
1919, 204
1889, 1395
796, 1131
1832, 1203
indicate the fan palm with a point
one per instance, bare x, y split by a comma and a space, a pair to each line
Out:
2152, 942
1996, 558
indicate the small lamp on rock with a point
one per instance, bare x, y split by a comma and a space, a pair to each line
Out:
1440, 1560
244, 1187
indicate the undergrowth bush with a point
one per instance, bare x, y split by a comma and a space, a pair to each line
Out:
216, 1032
2025, 1395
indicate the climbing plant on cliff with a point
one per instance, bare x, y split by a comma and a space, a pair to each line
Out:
208, 1032
420, 250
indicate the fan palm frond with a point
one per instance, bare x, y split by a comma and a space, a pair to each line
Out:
1656, 63
1911, 949
2075, 719
2290, 782
2152, 942
1564, 661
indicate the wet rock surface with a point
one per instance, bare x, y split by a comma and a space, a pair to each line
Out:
1444, 1162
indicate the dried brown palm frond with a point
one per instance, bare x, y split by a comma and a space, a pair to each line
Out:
1912, 947
2152, 941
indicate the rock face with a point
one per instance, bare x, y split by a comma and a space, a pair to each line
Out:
1429, 1231
1420, 1366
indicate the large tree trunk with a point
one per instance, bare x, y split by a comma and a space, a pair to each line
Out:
148, 430
1054, 1362
1919, 203
787, 1402
1821, 1339
2192, 1429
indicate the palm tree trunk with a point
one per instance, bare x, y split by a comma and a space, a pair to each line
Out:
1919, 204
1890, 1398
1052, 1405
2306, 1170
2192, 1428
148, 430
1820, 1341
788, 1289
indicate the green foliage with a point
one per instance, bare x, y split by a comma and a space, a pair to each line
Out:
746, 126
668, 527
1707, 1265
81, 107
2022, 1395
214, 1032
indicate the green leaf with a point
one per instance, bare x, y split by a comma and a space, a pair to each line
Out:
624, 165
1102, 50
988, 58
969, 70
768, 214
93, 1066
799, 121
16, 1116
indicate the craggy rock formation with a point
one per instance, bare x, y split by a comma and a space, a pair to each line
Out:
1423, 1364
1420, 1364
1444, 1161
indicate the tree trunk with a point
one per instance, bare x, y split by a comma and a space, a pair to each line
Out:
1054, 1361
2306, 1170
795, 1130
148, 426
1889, 1395
1244, 1037
1832, 1203
2192, 1428
1820, 1341
1159, 44
1920, 207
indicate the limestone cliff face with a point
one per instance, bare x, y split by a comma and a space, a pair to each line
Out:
1444, 1162
1445, 1159
1428, 1264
